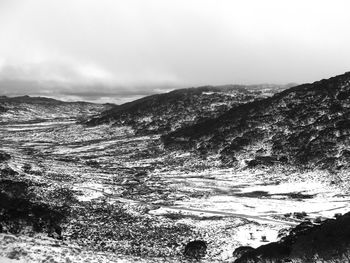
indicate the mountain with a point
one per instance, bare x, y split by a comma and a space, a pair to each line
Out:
179, 108
30, 100
32, 109
305, 125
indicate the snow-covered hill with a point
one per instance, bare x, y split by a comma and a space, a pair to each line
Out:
184, 107
304, 125
36, 109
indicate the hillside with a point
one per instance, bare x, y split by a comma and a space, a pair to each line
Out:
179, 108
33, 109
304, 125
327, 242
30, 100
70, 192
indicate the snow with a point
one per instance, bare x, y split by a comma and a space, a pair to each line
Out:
257, 194
247, 201
8, 260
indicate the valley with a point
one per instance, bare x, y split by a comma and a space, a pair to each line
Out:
121, 194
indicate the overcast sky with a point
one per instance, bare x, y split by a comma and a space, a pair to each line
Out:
119, 50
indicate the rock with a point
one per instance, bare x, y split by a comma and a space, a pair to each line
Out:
93, 163
337, 215
299, 215
241, 250
196, 249
273, 252
327, 242
263, 160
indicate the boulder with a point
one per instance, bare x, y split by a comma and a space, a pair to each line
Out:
195, 249
241, 250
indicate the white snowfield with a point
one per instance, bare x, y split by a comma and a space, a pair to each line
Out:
8, 260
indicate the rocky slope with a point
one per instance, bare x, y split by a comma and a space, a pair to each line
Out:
306, 125
327, 242
34, 109
180, 108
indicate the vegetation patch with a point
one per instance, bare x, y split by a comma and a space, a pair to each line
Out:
19, 210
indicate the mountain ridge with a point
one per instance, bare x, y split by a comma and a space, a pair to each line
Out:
43, 100
29, 109
165, 112
296, 114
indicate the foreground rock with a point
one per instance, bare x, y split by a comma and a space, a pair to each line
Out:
196, 249
327, 242
240, 251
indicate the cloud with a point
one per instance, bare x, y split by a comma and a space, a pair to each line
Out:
72, 81
122, 49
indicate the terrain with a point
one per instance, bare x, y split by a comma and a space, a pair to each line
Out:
79, 183
326, 242
166, 112
307, 125
35, 109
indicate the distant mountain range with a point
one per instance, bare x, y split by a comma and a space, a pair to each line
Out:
30, 100
41, 100
304, 125
29, 109
167, 112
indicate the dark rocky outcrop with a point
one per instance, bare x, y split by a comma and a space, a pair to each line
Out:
240, 251
19, 209
7, 171
195, 249
307, 125
327, 242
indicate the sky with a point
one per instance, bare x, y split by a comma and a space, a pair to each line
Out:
114, 50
